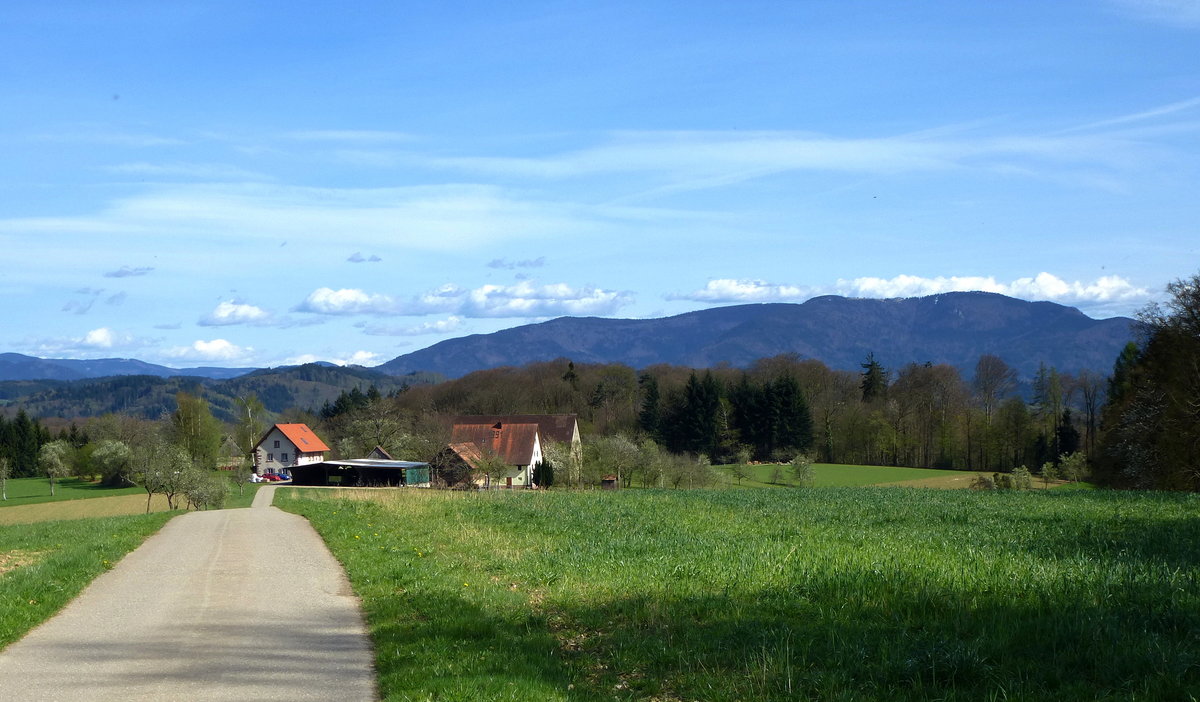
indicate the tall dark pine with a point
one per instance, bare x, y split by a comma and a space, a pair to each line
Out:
792, 420
650, 416
874, 380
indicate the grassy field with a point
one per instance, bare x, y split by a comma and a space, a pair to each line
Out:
833, 594
43, 566
30, 491
99, 502
845, 475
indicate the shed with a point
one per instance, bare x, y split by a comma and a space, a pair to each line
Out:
363, 472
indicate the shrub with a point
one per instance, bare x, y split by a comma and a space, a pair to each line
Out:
983, 482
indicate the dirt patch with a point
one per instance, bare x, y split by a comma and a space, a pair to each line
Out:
11, 560
81, 509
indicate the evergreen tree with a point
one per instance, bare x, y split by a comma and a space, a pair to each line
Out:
650, 416
874, 380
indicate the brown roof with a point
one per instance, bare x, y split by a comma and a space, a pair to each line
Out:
303, 437
559, 428
512, 442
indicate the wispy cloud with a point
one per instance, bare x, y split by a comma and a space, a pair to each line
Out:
357, 257
201, 171
351, 136
505, 264
129, 272
1178, 13
694, 160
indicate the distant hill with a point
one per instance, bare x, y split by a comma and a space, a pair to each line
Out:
308, 387
953, 328
15, 366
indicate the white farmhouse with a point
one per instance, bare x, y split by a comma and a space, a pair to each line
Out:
285, 446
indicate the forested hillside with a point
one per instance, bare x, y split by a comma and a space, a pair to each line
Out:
305, 387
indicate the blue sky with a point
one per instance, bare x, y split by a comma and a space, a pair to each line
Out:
232, 183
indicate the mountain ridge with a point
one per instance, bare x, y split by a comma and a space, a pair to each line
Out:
953, 328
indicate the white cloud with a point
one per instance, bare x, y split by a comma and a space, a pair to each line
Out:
227, 313
1043, 286
214, 350
1104, 293
522, 299
346, 301
448, 325
99, 341
731, 290
357, 358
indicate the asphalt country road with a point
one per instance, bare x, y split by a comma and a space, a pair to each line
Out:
241, 604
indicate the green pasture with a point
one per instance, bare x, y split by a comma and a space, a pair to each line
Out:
832, 594
31, 491
43, 566
834, 475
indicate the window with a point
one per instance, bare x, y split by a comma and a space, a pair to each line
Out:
270, 456
277, 444
283, 458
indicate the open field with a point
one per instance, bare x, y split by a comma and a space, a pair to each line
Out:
845, 475
98, 503
43, 566
29, 491
832, 594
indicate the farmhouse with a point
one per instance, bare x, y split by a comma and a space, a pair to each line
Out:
560, 429
286, 446
499, 454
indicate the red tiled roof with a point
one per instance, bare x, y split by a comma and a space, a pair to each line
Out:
559, 428
512, 442
303, 437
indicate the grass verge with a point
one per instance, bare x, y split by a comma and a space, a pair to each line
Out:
837, 594
44, 566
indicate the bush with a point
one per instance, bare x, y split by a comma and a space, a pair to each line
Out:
1022, 479
983, 482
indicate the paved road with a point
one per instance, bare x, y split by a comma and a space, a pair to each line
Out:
242, 604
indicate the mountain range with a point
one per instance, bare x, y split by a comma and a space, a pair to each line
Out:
15, 366
952, 328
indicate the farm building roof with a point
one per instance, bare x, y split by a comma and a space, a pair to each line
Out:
302, 437
512, 442
559, 428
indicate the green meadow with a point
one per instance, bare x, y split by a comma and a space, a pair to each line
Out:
830, 594
837, 475
45, 565
30, 491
